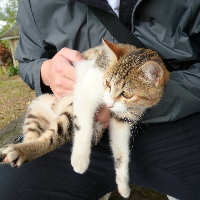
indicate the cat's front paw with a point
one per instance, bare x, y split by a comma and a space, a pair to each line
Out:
124, 190
11, 155
79, 163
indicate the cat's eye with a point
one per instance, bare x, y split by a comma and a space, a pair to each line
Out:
108, 84
127, 95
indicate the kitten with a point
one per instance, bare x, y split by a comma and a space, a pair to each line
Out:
126, 79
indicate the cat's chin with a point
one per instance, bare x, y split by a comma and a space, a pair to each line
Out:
118, 111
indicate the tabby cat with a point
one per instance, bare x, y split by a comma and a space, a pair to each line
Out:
126, 79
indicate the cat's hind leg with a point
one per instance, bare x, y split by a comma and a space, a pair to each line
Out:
40, 114
55, 136
119, 141
36, 142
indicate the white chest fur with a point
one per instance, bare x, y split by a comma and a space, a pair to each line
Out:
88, 95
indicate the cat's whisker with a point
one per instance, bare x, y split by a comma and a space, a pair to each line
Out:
141, 129
157, 107
134, 113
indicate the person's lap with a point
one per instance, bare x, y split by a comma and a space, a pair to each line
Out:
51, 177
165, 157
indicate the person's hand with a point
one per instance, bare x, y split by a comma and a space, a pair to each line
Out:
103, 115
59, 74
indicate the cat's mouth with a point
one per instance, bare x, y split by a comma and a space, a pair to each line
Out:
114, 106
118, 109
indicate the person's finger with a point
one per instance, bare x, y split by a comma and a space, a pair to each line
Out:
71, 55
69, 71
62, 86
103, 115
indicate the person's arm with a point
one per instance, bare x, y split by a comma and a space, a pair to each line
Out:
181, 97
40, 66
31, 51
182, 92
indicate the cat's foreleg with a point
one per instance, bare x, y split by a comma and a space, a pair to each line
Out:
87, 95
119, 141
82, 138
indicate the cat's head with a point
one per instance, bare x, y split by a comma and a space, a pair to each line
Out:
135, 79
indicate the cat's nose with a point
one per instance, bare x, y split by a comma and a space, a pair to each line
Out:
109, 105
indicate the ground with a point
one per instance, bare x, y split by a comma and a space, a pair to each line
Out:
15, 96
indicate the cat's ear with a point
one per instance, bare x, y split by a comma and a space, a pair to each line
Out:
153, 73
114, 49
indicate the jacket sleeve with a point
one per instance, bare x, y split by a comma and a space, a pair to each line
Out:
182, 92
181, 97
32, 50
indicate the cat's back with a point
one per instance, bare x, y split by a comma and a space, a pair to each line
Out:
102, 57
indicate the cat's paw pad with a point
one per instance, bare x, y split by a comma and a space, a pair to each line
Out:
124, 191
11, 155
80, 163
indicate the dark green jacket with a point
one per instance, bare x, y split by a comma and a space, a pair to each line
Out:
170, 27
